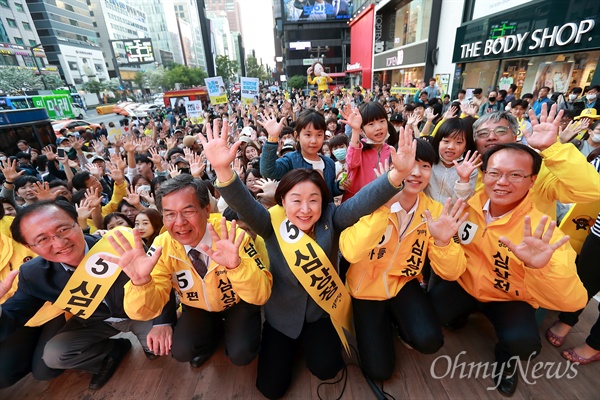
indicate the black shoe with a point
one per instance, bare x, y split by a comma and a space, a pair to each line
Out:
197, 362
110, 364
150, 355
506, 382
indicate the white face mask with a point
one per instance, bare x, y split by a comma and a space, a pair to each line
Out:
596, 138
590, 97
572, 97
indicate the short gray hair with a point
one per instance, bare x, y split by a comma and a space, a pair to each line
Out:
495, 117
181, 182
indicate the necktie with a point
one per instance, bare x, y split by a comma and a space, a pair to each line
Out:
197, 261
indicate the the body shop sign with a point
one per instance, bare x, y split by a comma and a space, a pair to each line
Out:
528, 31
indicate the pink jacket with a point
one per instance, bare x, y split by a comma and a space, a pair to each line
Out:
361, 164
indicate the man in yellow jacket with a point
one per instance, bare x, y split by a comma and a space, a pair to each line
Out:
565, 175
504, 280
220, 280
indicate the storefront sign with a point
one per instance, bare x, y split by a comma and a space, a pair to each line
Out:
379, 43
408, 55
353, 67
534, 30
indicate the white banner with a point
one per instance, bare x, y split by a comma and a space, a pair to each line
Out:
216, 90
193, 108
249, 90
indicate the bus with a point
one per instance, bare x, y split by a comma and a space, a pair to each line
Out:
176, 98
58, 106
31, 124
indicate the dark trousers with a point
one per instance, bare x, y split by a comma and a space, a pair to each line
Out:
418, 325
198, 332
84, 345
321, 346
589, 273
21, 353
513, 321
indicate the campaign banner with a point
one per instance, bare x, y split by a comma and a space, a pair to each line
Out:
193, 108
216, 90
249, 90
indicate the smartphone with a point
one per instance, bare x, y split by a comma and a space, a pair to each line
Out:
344, 177
61, 153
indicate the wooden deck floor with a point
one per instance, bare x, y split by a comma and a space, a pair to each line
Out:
164, 378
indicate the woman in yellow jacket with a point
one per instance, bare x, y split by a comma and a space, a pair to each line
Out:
386, 251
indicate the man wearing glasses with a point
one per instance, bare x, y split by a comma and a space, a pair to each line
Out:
565, 174
511, 270
50, 229
219, 277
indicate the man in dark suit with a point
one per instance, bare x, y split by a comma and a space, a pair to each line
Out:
50, 229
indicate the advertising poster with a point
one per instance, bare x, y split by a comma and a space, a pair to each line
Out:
216, 90
193, 108
58, 106
249, 90
556, 76
317, 10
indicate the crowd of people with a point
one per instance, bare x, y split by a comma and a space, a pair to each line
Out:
298, 222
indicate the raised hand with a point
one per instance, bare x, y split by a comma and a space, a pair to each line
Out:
471, 110
545, 131
7, 283
351, 116
115, 172
268, 187
269, 122
430, 115
132, 197
84, 209
452, 112
469, 164
92, 195
93, 170
42, 191
447, 224
133, 260
9, 169
173, 170
572, 130
404, 158
382, 168
227, 246
49, 153
217, 150
535, 250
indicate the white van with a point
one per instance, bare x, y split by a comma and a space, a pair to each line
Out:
78, 111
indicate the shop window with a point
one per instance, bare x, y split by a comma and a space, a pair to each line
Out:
28, 61
412, 22
19, 7
27, 26
8, 59
11, 22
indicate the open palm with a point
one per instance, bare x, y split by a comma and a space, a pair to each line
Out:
227, 246
447, 224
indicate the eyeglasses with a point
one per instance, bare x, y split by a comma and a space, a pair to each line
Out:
514, 177
61, 233
498, 131
185, 214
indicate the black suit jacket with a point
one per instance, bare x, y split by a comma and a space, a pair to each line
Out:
41, 281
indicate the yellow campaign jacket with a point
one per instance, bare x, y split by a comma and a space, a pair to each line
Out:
565, 176
119, 191
5, 224
250, 283
381, 264
12, 256
494, 273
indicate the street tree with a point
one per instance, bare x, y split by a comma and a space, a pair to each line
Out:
254, 70
52, 81
140, 79
94, 86
14, 80
226, 68
297, 82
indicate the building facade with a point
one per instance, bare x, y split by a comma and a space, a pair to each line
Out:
554, 43
187, 11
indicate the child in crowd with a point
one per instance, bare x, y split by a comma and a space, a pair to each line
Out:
456, 162
309, 134
364, 155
